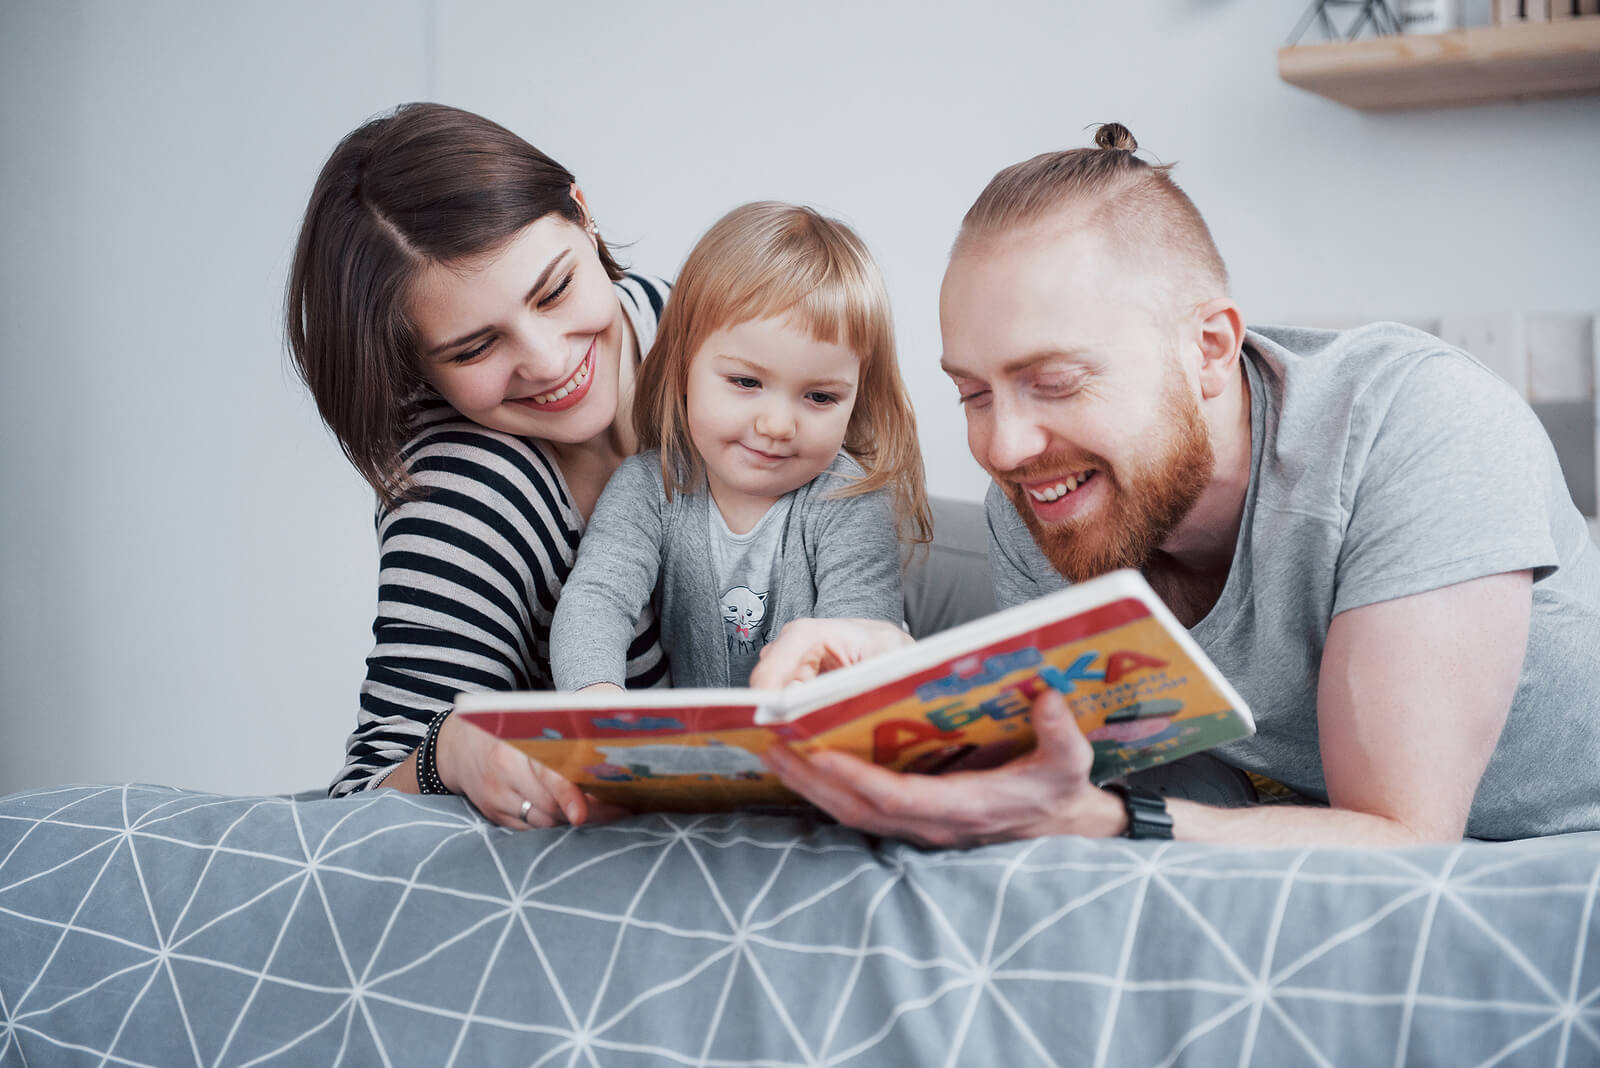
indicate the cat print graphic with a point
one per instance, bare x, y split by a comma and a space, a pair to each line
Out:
743, 609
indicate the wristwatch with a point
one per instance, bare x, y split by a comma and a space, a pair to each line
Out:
1147, 811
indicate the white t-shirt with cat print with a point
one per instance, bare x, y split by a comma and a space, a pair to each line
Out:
746, 568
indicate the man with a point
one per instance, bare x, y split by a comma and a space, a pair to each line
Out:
1367, 531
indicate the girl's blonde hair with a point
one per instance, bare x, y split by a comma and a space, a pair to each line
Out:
765, 260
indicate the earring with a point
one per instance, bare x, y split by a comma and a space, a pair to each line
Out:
590, 226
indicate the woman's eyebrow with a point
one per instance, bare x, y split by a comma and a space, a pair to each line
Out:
533, 291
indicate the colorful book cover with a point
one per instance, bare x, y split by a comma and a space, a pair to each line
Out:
1141, 690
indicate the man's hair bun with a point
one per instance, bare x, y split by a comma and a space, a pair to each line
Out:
1117, 136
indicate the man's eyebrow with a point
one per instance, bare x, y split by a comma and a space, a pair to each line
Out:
533, 291
1021, 363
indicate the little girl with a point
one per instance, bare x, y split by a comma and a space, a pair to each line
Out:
779, 459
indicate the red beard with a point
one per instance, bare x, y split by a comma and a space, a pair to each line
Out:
1147, 503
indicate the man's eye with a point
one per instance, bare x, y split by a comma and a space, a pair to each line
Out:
977, 396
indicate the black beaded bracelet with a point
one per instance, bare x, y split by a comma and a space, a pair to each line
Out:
428, 780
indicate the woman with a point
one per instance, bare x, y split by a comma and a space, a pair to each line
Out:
472, 344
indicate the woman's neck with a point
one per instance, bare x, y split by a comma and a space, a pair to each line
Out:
588, 465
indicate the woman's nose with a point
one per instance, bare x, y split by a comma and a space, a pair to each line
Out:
541, 354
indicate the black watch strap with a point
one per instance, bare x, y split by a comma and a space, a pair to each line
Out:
1147, 811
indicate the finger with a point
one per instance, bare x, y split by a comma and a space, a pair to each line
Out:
789, 659
604, 811
834, 795
565, 797
1060, 745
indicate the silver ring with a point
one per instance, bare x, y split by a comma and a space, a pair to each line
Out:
527, 806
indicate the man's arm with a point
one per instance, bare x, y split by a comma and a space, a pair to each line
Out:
1412, 696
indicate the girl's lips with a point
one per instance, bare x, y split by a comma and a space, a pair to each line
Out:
575, 394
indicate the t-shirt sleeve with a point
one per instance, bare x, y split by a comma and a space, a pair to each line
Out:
1014, 558
612, 581
1448, 477
858, 559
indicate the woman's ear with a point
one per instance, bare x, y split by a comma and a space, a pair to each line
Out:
1221, 339
584, 213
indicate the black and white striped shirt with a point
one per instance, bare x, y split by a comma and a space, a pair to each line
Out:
469, 573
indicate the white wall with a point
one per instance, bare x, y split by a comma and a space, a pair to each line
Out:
187, 566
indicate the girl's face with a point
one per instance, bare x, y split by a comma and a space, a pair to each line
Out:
768, 408
526, 339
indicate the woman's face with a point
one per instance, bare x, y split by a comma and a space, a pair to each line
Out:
525, 339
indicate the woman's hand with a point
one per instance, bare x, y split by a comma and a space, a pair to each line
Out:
508, 786
808, 647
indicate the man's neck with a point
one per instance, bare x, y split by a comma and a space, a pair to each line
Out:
1191, 569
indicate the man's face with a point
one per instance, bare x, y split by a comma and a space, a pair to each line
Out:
1077, 402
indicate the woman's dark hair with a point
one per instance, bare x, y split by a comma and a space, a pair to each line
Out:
424, 184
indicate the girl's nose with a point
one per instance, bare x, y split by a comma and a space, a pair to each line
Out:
775, 421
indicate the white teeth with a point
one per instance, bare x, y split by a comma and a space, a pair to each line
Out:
1060, 489
579, 377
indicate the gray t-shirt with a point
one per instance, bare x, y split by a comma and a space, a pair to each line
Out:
1385, 463
746, 569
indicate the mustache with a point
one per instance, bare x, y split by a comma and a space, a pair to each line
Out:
1046, 466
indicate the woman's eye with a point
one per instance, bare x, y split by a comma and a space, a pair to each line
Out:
745, 381
473, 353
556, 293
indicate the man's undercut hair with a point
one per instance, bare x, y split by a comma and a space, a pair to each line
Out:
1136, 205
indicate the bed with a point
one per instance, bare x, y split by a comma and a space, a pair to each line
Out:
145, 925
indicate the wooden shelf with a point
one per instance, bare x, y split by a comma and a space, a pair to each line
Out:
1475, 66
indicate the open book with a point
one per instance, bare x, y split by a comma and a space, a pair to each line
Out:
1141, 690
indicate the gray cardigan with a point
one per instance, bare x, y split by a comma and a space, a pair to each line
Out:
841, 558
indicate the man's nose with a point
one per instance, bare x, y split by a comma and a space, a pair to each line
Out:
1014, 439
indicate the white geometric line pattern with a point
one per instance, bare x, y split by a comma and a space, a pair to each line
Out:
148, 926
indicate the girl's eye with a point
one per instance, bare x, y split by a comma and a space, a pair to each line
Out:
745, 381
556, 293
821, 399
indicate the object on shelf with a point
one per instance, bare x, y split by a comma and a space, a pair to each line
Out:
1377, 15
1469, 66
1428, 16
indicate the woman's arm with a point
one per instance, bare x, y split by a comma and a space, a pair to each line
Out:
469, 577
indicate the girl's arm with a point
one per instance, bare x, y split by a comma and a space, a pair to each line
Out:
857, 556
618, 566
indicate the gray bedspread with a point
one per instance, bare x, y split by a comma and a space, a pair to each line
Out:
150, 926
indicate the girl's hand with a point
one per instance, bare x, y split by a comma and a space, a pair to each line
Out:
806, 648
509, 787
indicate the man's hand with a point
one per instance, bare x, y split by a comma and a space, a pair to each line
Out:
808, 647
1045, 792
